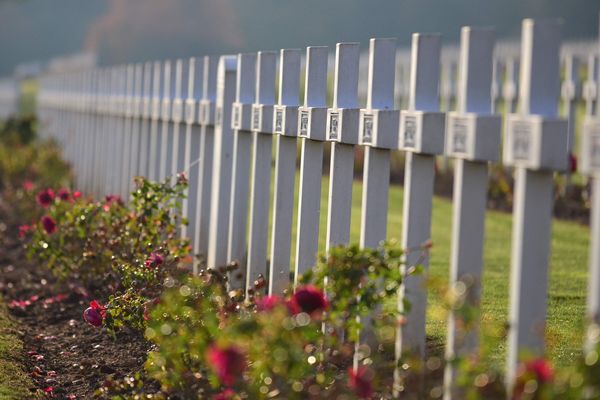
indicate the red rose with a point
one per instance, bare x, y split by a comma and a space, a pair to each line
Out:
308, 299
64, 194
23, 229
49, 224
268, 303
76, 194
94, 314
155, 260
227, 363
360, 382
541, 368
28, 186
45, 197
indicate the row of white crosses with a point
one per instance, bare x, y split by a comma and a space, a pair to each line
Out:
215, 117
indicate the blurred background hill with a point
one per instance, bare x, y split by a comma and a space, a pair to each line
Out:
137, 30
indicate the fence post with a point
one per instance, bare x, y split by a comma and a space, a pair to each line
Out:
378, 129
422, 138
241, 122
206, 119
223, 148
262, 130
285, 126
342, 131
192, 146
312, 122
536, 145
496, 83
473, 139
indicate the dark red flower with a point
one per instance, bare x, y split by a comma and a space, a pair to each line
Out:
360, 382
49, 224
308, 299
94, 314
45, 197
541, 368
23, 229
28, 186
155, 260
572, 163
227, 363
268, 303
227, 394
64, 194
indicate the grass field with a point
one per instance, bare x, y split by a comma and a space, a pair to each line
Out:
568, 273
14, 381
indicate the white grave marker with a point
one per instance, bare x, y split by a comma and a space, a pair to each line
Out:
206, 120
241, 121
261, 124
473, 138
422, 138
312, 123
222, 165
536, 146
342, 131
285, 126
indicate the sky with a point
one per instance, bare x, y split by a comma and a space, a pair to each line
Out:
139, 30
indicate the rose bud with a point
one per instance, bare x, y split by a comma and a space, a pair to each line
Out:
227, 363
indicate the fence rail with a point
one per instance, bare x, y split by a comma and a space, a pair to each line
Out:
217, 118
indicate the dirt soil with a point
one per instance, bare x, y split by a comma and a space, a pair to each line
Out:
66, 357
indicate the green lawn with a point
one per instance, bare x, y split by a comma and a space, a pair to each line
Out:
14, 381
568, 272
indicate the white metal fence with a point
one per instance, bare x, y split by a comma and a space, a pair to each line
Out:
217, 118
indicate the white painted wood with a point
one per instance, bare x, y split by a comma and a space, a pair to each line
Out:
178, 164
470, 193
418, 192
145, 113
206, 114
222, 166
167, 127
262, 131
341, 170
311, 160
590, 86
242, 139
192, 147
569, 94
154, 155
532, 212
126, 155
510, 88
285, 176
